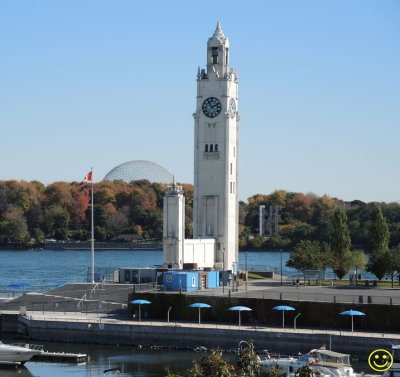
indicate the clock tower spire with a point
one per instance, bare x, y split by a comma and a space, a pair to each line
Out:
216, 129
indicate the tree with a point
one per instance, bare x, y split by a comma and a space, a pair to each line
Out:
304, 371
379, 242
247, 363
14, 227
340, 243
274, 371
379, 231
305, 256
212, 365
358, 261
393, 264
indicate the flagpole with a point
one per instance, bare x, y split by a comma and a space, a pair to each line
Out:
92, 229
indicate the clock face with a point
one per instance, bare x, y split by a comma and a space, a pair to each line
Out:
211, 107
232, 108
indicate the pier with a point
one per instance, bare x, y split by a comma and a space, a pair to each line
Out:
61, 357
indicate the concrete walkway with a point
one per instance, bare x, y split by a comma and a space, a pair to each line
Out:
272, 289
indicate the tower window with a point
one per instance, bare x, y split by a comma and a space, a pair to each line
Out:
227, 57
206, 148
211, 148
216, 147
234, 151
214, 54
231, 187
231, 168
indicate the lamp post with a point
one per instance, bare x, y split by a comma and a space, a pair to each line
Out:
247, 274
223, 270
281, 270
168, 312
295, 318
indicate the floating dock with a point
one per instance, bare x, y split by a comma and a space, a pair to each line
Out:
10, 364
62, 357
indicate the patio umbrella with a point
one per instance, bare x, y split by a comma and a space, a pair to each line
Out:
283, 309
240, 309
21, 284
140, 302
199, 305
352, 313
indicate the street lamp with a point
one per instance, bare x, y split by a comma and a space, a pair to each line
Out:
247, 273
223, 270
168, 312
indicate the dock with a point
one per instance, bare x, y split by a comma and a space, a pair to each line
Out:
10, 364
61, 357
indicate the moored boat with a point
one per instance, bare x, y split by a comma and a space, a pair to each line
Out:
321, 362
17, 354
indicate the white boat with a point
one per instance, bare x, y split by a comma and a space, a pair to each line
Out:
17, 354
394, 370
322, 362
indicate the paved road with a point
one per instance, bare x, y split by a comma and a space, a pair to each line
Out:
271, 289
114, 297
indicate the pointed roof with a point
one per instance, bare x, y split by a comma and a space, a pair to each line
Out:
218, 31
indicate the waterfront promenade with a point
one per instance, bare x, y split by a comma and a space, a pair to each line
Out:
97, 313
98, 328
103, 297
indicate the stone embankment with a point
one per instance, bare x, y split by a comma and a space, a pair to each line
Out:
94, 329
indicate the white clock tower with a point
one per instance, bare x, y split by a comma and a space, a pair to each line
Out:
216, 137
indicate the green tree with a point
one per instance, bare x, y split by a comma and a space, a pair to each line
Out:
247, 363
393, 264
14, 227
340, 243
304, 371
378, 242
358, 261
212, 365
305, 256
274, 371
378, 231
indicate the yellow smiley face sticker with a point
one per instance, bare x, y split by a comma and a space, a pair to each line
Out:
380, 360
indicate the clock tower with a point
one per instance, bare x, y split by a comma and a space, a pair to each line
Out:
216, 135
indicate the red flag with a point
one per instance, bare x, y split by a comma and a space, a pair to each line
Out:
88, 177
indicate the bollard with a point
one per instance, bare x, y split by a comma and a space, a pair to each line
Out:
229, 294
280, 296
369, 299
334, 299
360, 299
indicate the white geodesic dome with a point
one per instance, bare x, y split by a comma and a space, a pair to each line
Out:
139, 169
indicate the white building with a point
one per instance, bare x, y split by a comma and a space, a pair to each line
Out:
215, 202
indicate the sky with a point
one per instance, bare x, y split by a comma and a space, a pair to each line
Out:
99, 83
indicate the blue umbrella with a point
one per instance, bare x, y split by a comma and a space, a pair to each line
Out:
199, 305
240, 309
352, 313
21, 284
283, 309
140, 302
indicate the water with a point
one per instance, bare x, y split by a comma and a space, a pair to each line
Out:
48, 269
131, 361
44, 270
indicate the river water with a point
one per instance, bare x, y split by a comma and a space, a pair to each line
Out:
40, 271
